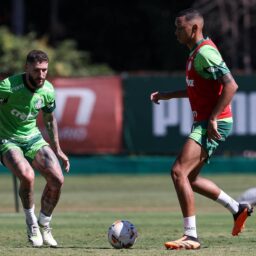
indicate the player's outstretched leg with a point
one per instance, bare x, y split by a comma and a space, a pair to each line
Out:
186, 242
240, 217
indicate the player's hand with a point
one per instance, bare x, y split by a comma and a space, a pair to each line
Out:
155, 97
64, 159
212, 130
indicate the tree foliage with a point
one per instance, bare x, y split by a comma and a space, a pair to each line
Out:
232, 26
65, 59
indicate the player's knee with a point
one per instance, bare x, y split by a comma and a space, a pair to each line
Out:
61, 181
177, 173
57, 181
27, 177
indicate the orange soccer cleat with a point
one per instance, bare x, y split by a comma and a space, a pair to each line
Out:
240, 217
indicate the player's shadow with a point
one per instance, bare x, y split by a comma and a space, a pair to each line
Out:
86, 247
70, 247
83, 247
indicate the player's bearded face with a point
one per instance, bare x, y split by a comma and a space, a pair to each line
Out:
36, 74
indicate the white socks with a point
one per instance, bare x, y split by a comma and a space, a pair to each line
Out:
223, 199
190, 226
228, 202
30, 216
44, 220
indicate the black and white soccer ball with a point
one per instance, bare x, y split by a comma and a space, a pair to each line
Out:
122, 234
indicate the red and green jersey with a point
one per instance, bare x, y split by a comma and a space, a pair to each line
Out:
204, 66
19, 107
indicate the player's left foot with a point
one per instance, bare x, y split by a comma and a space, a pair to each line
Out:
240, 217
186, 242
47, 236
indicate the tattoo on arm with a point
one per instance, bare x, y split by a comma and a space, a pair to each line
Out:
52, 129
226, 79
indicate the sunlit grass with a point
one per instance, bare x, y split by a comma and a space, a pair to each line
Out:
89, 204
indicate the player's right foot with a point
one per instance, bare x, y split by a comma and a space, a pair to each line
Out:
240, 217
34, 235
186, 242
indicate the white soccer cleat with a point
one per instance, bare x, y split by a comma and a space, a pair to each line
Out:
47, 236
34, 235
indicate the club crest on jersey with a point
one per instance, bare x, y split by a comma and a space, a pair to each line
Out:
212, 69
39, 103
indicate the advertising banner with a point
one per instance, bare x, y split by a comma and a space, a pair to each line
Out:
162, 128
89, 114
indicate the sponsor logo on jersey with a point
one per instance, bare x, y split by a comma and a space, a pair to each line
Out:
22, 116
190, 82
18, 87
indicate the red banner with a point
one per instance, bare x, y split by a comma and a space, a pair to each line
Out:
89, 114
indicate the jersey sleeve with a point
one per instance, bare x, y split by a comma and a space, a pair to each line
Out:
50, 104
209, 63
5, 91
50, 107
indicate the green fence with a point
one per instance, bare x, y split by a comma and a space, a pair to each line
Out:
152, 128
150, 165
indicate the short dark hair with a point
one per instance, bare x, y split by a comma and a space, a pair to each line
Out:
37, 56
190, 14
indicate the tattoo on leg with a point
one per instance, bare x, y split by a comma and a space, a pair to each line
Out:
26, 196
47, 164
15, 161
46, 158
49, 199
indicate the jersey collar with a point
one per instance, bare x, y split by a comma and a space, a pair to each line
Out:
26, 84
195, 46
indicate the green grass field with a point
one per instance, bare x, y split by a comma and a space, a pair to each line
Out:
89, 205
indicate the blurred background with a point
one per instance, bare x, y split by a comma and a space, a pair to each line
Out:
106, 59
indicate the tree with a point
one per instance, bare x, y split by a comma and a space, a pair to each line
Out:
230, 23
65, 59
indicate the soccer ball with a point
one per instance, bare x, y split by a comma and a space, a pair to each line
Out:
122, 234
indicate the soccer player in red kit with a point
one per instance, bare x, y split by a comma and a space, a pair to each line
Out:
210, 89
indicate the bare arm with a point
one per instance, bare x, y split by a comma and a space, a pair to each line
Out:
52, 130
229, 89
156, 96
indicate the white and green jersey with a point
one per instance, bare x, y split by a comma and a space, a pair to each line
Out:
208, 61
19, 107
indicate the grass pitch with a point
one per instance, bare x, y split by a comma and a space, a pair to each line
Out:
89, 205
